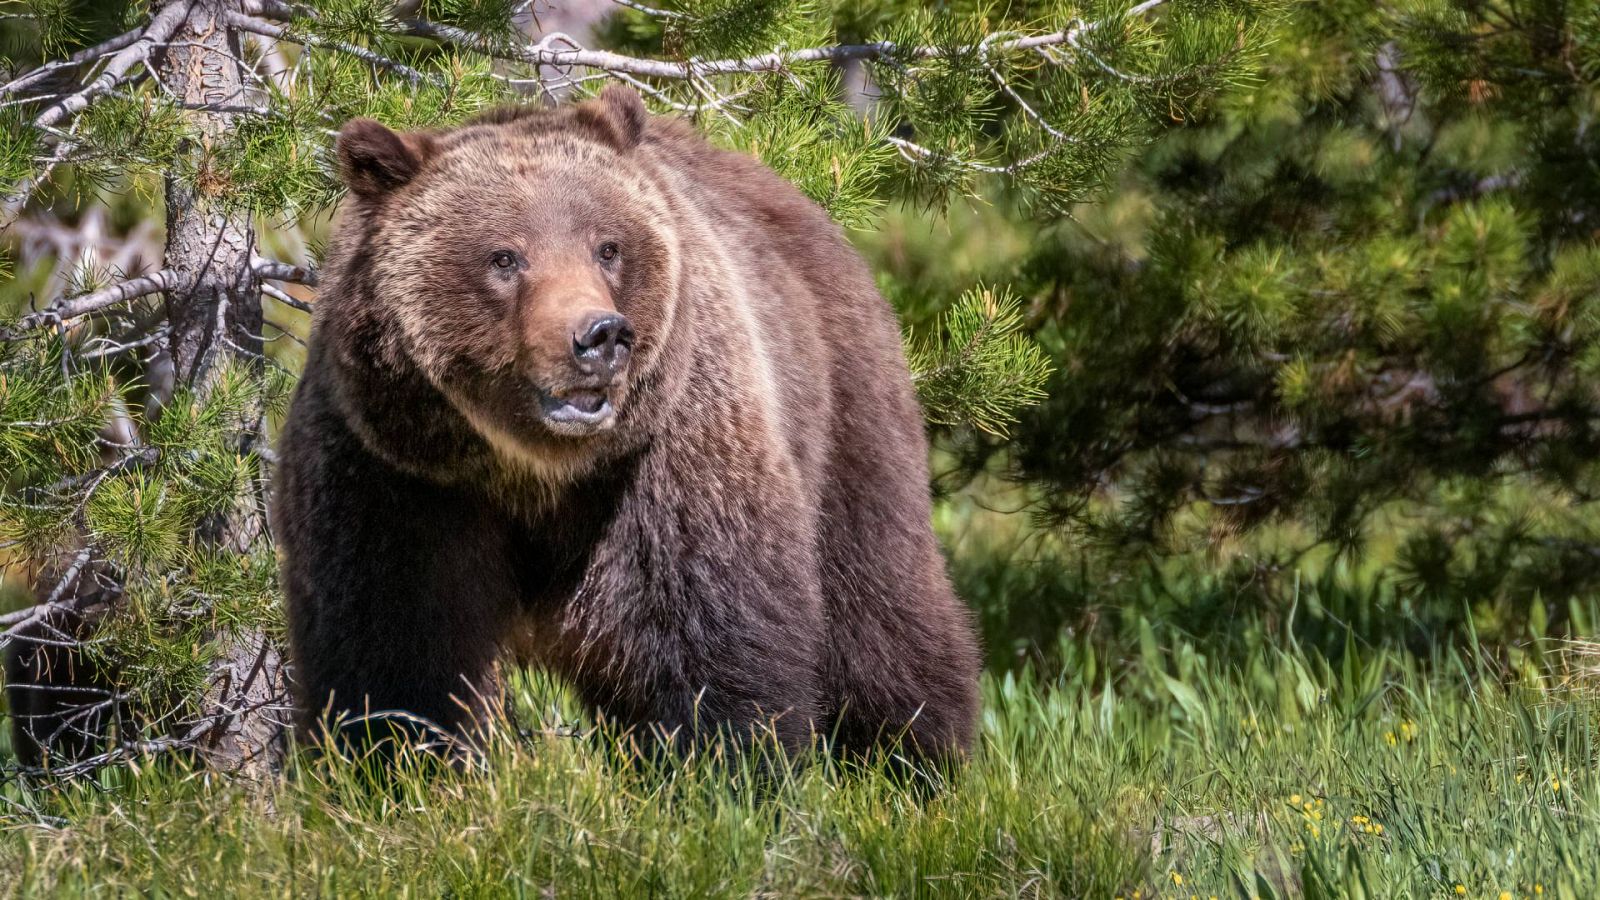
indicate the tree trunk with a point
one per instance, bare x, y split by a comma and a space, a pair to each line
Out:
215, 318
216, 310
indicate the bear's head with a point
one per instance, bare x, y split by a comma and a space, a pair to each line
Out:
523, 264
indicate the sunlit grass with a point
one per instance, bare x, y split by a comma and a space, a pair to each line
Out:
1378, 778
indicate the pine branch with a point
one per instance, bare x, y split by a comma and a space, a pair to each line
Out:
158, 31
67, 309
978, 365
546, 51
88, 54
282, 271
279, 33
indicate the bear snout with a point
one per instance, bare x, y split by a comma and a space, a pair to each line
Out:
602, 342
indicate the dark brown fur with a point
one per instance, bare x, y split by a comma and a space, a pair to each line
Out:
748, 542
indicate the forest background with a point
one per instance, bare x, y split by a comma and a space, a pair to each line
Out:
1259, 344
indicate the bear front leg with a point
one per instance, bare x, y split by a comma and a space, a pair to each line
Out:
398, 592
700, 628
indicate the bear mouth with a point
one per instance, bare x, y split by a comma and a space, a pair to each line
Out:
577, 412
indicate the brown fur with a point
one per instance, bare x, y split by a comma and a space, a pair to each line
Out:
746, 541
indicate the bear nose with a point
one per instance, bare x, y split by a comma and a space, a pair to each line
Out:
601, 342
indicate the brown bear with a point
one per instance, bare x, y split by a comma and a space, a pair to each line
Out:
585, 390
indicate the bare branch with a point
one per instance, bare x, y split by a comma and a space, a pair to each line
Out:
279, 33
66, 309
22, 616
282, 271
917, 154
546, 51
285, 298
18, 623
161, 28
105, 48
104, 347
650, 10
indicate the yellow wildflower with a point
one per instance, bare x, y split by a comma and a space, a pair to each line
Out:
1176, 878
1461, 890
1505, 895
1294, 799
1555, 784
1388, 738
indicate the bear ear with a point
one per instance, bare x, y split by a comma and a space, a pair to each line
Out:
619, 114
374, 161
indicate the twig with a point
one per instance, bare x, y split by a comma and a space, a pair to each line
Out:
105, 346
104, 48
122, 292
279, 33
650, 10
285, 298
545, 54
282, 271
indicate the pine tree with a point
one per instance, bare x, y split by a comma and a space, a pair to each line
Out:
136, 406
1355, 305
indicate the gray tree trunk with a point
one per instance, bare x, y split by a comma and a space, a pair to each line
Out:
215, 318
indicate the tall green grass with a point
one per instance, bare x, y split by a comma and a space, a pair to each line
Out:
1173, 734
1288, 776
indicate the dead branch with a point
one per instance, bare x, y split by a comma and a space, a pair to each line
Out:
282, 271
68, 309
88, 54
279, 33
285, 298
546, 53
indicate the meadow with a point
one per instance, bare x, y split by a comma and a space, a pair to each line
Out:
1284, 776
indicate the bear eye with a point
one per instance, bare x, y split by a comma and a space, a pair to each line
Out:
607, 251
503, 259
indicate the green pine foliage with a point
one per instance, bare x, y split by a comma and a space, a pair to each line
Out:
982, 367
806, 135
1343, 318
145, 513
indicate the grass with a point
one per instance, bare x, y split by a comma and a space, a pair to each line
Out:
1184, 743
1288, 776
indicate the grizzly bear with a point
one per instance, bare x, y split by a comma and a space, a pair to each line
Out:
587, 392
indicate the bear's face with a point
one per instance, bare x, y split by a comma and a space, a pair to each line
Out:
525, 266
